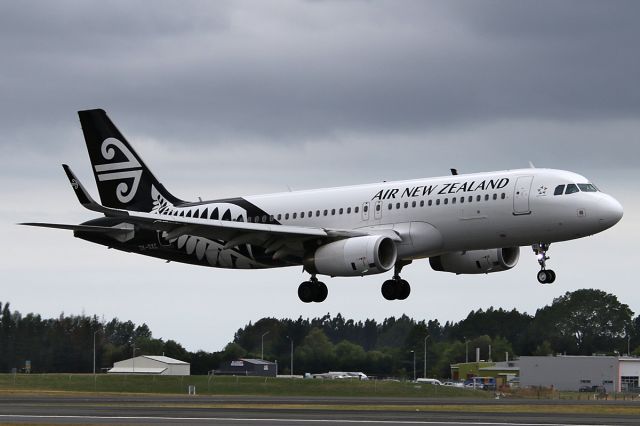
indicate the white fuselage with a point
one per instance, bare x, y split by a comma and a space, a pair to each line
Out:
451, 213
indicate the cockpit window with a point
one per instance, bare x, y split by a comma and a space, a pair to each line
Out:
571, 188
559, 190
587, 187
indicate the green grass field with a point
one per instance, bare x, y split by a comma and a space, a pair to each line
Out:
226, 386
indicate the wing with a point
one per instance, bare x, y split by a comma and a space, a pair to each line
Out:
279, 240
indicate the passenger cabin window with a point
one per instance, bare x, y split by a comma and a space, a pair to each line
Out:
438, 202
390, 206
348, 210
587, 187
342, 210
446, 201
453, 200
377, 208
325, 212
571, 189
421, 203
559, 190
430, 203
495, 196
286, 216
279, 217
413, 204
356, 209
406, 204
333, 212
365, 208
295, 215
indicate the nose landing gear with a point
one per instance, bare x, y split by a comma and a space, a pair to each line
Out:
312, 291
545, 276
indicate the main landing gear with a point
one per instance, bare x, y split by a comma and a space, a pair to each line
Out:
312, 291
396, 288
545, 276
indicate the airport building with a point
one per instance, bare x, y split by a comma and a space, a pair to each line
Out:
150, 364
503, 372
573, 373
248, 367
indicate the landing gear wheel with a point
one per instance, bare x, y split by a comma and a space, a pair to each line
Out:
313, 291
546, 276
305, 292
403, 290
320, 292
552, 275
389, 290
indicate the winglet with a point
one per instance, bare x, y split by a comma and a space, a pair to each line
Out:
84, 197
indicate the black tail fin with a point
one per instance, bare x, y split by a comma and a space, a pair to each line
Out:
124, 181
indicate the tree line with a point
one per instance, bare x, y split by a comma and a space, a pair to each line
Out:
582, 322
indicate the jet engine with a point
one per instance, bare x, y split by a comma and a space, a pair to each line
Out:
477, 261
371, 254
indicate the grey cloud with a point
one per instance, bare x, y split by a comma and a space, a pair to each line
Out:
301, 70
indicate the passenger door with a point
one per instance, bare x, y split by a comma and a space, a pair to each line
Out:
521, 195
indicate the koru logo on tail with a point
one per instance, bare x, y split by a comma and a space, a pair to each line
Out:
130, 169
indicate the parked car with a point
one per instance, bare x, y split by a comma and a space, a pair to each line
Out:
453, 384
429, 381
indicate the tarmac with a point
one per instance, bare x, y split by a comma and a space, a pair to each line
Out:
90, 409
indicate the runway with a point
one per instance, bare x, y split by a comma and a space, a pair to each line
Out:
232, 410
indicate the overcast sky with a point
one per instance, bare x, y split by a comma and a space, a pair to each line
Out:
239, 98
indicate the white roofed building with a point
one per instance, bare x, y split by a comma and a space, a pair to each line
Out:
152, 364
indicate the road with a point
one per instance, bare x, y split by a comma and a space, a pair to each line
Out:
256, 410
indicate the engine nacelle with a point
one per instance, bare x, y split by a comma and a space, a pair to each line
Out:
477, 261
371, 254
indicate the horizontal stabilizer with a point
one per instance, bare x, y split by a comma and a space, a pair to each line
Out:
83, 228
84, 197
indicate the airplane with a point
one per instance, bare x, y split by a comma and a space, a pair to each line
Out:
463, 223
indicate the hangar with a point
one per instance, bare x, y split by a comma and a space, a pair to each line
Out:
571, 372
151, 364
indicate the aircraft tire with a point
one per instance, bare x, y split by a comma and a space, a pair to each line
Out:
388, 290
403, 290
552, 276
305, 292
320, 292
546, 276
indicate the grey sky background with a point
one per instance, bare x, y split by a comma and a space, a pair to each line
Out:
239, 98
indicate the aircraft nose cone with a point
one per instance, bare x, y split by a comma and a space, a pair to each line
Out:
615, 210
612, 213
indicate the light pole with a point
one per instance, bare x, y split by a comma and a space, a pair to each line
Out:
262, 345
94, 351
628, 344
466, 351
291, 338
424, 373
133, 360
414, 366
